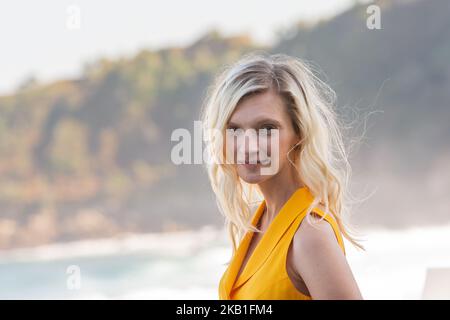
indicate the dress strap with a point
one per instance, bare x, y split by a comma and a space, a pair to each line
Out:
333, 224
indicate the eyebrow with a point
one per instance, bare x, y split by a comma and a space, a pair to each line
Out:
258, 122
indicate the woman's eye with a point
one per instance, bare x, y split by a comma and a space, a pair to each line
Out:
269, 128
234, 131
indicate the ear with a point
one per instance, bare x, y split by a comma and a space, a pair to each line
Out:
297, 145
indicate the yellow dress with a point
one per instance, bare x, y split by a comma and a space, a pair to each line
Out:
264, 276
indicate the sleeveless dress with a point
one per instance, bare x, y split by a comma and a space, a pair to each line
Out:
264, 276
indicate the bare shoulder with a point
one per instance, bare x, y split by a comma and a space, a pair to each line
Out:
320, 262
319, 235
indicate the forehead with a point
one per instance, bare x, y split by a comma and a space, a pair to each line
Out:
267, 103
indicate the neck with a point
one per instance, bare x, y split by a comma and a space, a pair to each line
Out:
278, 189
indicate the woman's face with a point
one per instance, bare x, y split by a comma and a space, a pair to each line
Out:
261, 157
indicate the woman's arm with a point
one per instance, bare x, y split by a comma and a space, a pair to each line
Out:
321, 263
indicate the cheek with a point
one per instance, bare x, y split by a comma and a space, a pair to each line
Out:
230, 149
284, 146
280, 145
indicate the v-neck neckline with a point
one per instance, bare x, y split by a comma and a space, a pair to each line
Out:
259, 216
270, 238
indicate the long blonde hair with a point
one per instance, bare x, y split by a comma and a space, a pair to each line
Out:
321, 159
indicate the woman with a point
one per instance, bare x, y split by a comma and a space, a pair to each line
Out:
278, 256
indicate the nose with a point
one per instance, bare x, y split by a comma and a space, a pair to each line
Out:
249, 147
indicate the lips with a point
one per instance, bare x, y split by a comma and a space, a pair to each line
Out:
249, 166
248, 163
262, 162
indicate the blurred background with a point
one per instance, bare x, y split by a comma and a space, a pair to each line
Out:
92, 205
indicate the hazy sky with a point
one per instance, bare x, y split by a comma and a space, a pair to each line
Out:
36, 39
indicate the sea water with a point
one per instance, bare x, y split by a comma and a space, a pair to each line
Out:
188, 265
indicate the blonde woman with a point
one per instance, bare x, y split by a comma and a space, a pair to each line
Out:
275, 255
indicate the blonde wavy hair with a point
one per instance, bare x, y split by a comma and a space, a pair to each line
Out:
321, 159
